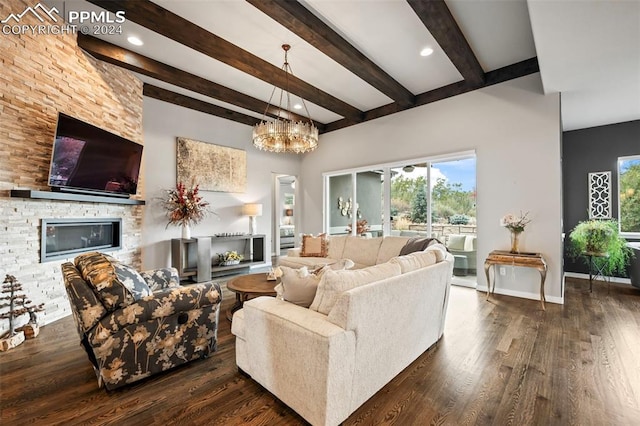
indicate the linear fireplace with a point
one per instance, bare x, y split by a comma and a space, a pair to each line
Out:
62, 238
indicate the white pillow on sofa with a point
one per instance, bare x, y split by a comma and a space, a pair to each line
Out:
334, 283
439, 249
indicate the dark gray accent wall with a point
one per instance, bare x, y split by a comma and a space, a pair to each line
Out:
595, 149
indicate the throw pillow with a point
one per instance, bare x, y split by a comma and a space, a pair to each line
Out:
298, 285
334, 283
132, 280
314, 246
99, 270
440, 251
417, 244
337, 266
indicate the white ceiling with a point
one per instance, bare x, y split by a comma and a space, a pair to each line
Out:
590, 52
599, 86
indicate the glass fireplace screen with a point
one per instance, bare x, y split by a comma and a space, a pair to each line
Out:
63, 238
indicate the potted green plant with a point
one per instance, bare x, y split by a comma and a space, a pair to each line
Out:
601, 239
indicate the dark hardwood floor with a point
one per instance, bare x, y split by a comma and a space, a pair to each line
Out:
503, 362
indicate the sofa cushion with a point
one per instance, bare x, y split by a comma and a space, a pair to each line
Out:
116, 287
298, 262
456, 242
390, 248
414, 261
334, 283
363, 251
314, 246
417, 244
336, 246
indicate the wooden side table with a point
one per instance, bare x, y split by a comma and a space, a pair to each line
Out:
527, 260
246, 286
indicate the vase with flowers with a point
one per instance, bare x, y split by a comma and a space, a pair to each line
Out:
229, 258
361, 227
184, 206
515, 225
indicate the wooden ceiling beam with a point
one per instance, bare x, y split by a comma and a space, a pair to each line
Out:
132, 61
435, 15
302, 22
196, 104
170, 25
519, 69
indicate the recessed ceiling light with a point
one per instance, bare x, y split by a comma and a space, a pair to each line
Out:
426, 51
135, 41
297, 106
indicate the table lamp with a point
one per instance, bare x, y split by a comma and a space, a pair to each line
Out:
252, 210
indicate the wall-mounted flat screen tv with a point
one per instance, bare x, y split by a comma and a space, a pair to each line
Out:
86, 158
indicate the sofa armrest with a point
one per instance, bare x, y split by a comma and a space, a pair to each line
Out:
159, 279
292, 348
161, 304
414, 307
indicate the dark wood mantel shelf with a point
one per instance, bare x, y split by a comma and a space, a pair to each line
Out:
65, 196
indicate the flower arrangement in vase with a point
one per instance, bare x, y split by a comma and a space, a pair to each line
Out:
515, 225
229, 258
361, 227
185, 206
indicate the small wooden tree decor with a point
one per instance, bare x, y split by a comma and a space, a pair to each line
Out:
18, 305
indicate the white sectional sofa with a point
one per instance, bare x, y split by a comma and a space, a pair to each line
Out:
325, 363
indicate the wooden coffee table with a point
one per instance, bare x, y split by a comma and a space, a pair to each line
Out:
247, 286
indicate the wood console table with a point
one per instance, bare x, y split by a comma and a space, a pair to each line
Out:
527, 260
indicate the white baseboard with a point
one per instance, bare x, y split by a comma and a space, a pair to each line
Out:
586, 277
524, 295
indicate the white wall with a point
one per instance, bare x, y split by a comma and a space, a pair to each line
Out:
164, 122
516, 133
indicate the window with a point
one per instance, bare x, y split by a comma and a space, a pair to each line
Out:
629, 194
421, 197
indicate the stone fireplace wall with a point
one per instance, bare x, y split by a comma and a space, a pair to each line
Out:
41, 75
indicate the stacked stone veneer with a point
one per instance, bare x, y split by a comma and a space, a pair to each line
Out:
41, 75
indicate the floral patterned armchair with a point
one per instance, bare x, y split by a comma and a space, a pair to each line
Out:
132, 324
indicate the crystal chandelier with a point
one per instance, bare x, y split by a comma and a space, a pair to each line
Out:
281, 134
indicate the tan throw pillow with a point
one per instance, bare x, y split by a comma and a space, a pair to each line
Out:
299, 286
314, 246
334, 283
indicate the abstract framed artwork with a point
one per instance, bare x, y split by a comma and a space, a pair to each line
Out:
213, 167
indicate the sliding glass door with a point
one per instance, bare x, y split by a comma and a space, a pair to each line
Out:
420, 198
